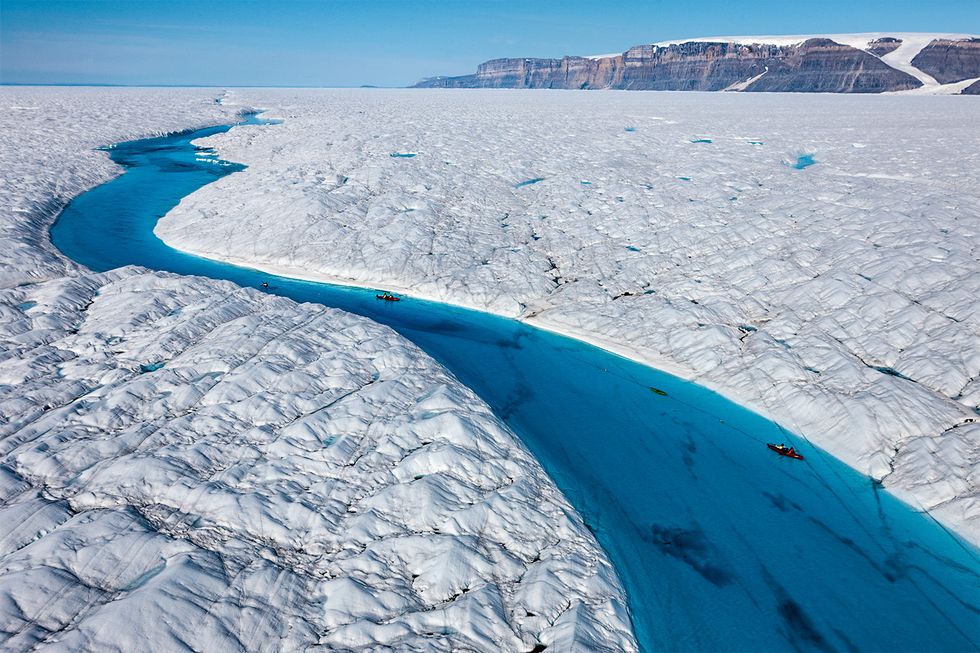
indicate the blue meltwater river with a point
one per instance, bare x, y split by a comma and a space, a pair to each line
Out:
721, 544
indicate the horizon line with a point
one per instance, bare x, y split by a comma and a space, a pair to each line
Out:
154, 85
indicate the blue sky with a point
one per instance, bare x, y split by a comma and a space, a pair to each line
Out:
390, 42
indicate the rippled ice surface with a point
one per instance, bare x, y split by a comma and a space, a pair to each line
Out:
862, 262
721, 544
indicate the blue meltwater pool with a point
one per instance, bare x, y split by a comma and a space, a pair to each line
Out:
722, 545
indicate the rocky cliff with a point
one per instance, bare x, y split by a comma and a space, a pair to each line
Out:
818, 65
950, 61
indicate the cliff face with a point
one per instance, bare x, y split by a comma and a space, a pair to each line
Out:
817, 65
692, 66
823, 66
950, 61
881, 47
568, 72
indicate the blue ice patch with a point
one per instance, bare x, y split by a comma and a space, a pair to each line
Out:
804, 161
528, 182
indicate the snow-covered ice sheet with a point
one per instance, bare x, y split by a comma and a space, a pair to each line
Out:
840, 299
194, 465
48, 156
184, 463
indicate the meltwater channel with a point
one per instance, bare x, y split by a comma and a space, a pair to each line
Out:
721, 544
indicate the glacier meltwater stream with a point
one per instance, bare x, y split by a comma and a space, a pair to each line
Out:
721, 544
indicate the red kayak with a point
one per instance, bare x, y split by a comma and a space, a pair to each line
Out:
388, 297
783, 450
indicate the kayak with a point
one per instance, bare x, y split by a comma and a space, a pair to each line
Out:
388, 298
789, 452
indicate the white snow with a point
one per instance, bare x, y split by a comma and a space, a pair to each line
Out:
787, 290
745, 83
187, 465
901, 57
860, 40
953, 88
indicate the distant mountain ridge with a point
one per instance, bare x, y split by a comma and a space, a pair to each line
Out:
834, 63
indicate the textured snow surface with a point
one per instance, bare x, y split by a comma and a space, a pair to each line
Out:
194, 465
188, 465
48, 156
840, 299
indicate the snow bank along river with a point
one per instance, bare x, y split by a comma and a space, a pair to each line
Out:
795, 292
721, 544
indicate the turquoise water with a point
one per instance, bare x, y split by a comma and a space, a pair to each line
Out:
804, 161
722, 545
528, 182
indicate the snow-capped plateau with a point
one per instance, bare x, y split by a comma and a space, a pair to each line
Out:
909, 44
813, 257
185, 464
859, 40
880, 62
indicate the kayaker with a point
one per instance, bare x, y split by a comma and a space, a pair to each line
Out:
783, 450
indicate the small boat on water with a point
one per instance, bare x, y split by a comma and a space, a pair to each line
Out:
783, 450
388, 297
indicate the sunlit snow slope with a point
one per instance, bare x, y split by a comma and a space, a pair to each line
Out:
687, 230
199, 466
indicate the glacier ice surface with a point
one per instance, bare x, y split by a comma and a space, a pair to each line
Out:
839, 298
188, 464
